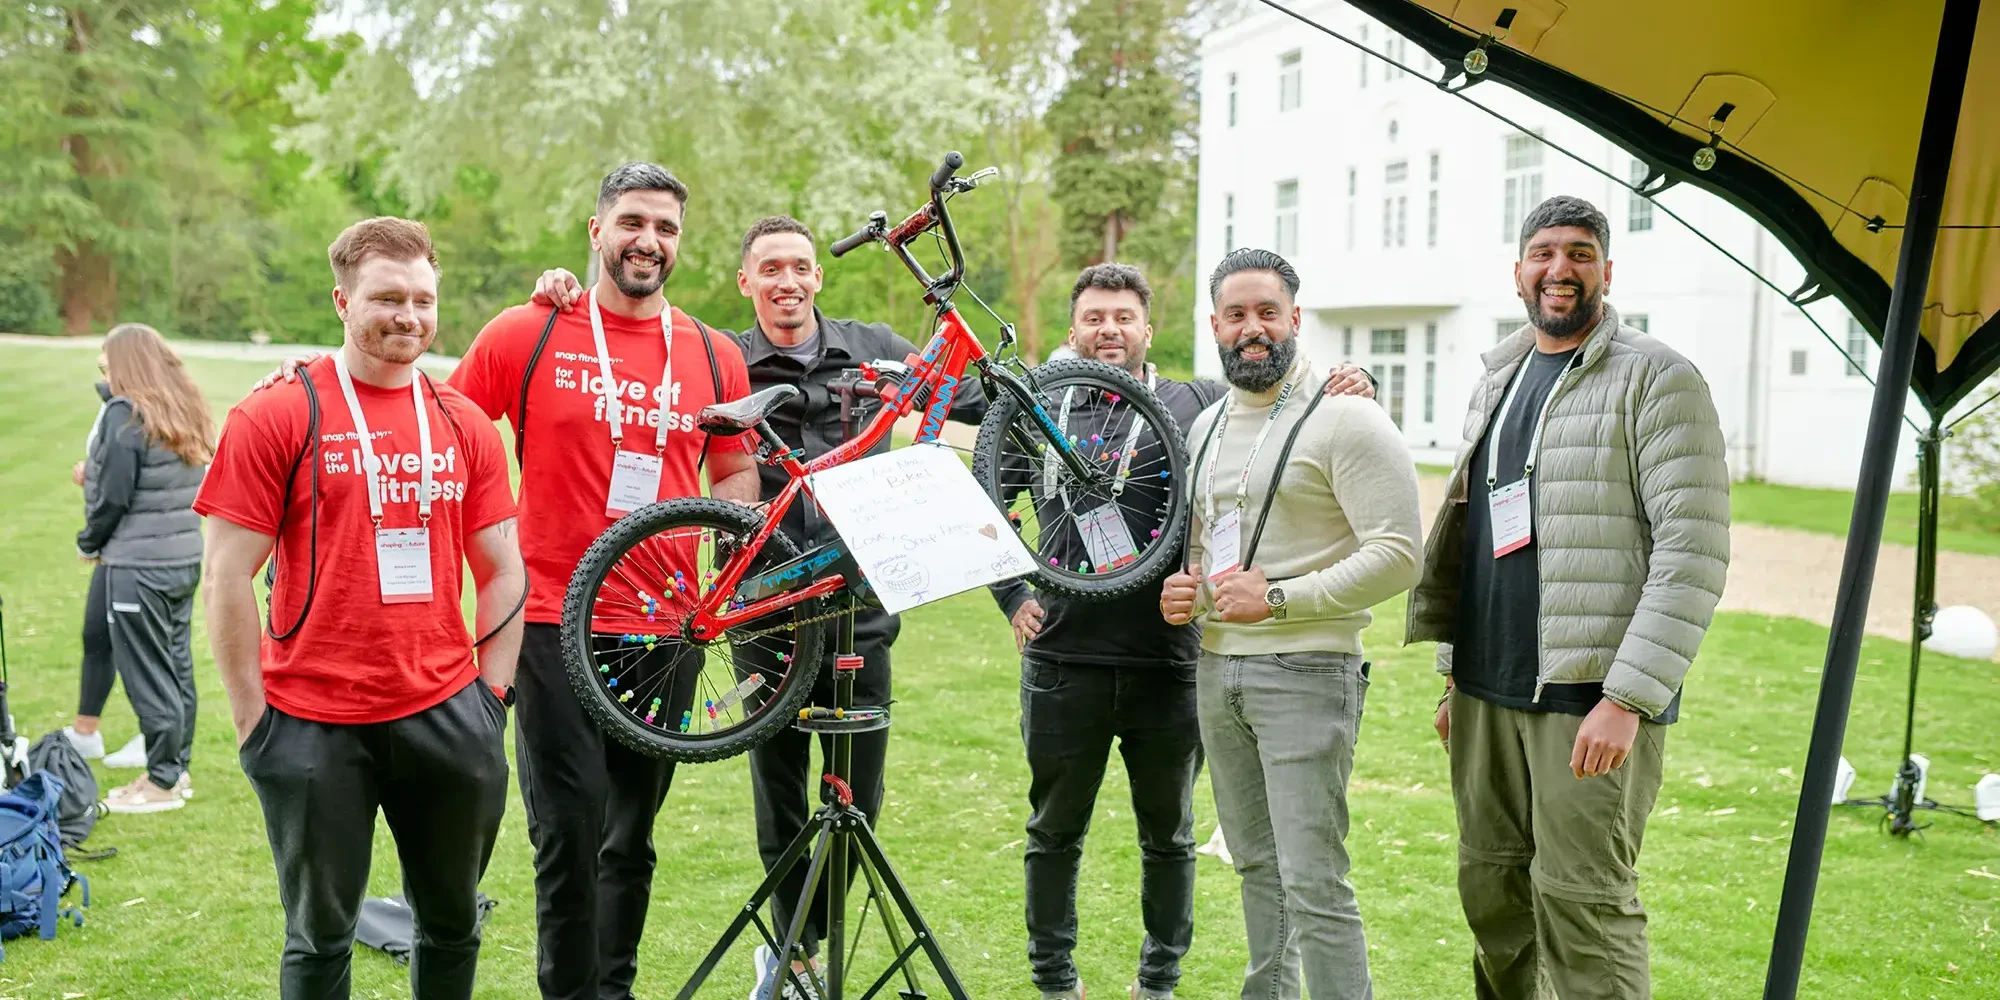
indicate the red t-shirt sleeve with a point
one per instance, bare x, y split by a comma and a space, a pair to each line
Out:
735, 378
490, 373
245, 483
489, 499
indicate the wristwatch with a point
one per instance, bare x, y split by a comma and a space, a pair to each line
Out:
1274, 598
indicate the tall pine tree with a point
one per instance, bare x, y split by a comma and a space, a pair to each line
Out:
1117, 121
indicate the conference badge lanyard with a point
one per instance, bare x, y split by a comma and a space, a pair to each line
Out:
1225, 532
1510, 506
402, 555
635, 476
1105, 534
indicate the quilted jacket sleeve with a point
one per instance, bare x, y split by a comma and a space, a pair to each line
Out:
1683, 479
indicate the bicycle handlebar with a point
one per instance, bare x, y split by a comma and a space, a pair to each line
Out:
952, 161
865, 234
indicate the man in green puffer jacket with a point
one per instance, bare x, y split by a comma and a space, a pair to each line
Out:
1568, 582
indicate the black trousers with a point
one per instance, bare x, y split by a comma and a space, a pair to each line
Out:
1070, 714
99, 673
440, 779
781, 779
152, 616
591, 803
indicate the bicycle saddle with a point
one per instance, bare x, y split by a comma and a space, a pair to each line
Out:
746, 413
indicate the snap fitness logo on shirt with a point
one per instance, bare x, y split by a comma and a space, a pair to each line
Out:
404, 479
632, 394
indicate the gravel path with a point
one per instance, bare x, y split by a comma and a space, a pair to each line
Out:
1779, 571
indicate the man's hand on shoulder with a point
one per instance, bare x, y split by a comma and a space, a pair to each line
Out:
1350, 380
557, 287
288, 370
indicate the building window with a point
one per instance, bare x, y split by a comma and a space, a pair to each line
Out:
1434, 168
1346, 343
1394, 49
1387, 340
1362, 55
1857, 348
1288, 81
1640, 322
1394, 130
1524, 183
1798, 362
1431, 221
1504, 328
1430, 338
1395, 205
1640, 215
1228, 223
1430, 391
1232, 100
1352, 184
1288, 218
1395, 400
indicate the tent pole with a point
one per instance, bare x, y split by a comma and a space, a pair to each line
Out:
1871, 495
1930, 461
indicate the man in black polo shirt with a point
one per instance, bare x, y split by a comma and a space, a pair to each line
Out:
1094, 672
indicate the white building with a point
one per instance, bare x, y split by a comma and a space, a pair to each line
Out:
1400, 206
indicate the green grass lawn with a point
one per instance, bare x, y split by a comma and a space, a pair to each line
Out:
189, 907
1827, 512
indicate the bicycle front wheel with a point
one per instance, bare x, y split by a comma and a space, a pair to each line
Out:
1115, 530
639, 676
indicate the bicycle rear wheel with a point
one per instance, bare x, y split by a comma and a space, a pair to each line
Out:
1118, 531
623, 636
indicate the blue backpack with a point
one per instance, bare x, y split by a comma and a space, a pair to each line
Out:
33, 873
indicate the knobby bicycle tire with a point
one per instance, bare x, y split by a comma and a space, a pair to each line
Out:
1163, 555
627, 532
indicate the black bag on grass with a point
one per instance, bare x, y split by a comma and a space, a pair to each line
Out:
79, 809
385, 925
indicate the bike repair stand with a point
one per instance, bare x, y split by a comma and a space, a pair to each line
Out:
836, 838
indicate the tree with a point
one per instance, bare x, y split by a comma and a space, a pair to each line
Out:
1119, 122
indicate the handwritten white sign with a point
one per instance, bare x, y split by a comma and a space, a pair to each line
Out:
920, 526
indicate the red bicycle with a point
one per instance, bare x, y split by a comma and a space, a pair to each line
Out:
692, 626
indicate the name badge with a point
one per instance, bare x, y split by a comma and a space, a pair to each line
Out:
1513, 520
403, 564
1225, 543
635, 482
1107, 538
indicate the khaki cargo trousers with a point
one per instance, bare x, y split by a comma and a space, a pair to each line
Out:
1547, 862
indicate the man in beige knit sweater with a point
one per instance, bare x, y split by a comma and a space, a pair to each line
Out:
1306, 515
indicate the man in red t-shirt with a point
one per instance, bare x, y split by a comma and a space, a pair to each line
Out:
590, 800
375, 487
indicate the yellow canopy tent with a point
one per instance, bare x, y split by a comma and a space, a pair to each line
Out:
1835, 124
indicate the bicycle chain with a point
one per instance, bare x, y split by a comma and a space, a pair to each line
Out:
842, 609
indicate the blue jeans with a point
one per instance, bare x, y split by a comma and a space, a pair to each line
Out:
1279, 731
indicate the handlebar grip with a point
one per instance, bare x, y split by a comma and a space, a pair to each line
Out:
952, 161
841, 248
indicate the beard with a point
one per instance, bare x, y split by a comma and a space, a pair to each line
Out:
383, 343
1581, 316
637, 288
1258, 375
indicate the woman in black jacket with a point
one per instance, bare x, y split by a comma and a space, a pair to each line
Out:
152, 445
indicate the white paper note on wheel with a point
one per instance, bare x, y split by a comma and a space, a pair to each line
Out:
920, 526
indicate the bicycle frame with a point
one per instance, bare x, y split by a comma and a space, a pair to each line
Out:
934, 381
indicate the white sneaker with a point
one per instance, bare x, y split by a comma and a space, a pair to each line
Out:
767, 969
142, 796
132, 754
90, 747
185, 787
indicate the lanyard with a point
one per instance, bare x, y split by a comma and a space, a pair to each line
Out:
1222, 426
1534, 437
1049, 462
370, 467
608, 386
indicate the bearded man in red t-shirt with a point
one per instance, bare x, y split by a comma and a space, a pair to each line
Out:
371, 487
